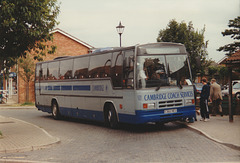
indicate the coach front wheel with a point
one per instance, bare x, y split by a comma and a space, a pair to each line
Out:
160, 124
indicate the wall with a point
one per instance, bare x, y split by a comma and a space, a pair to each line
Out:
66, 46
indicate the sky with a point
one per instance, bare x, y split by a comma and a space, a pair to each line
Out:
95, 21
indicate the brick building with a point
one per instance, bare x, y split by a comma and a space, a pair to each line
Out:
67, 45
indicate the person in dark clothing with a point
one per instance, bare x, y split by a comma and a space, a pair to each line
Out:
204, 96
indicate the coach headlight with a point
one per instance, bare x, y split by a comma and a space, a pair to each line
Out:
189, 101
149, 106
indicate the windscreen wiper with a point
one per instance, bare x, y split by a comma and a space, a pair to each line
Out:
179, 85
162, 83
158, 87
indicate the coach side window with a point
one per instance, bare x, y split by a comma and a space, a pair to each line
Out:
53, 69
117, 69
66, 67
38, 74
44, 71
100, 66
107, 65
80, 68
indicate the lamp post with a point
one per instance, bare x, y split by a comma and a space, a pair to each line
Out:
120, 29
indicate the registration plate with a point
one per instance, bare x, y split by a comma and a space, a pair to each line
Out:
170, 111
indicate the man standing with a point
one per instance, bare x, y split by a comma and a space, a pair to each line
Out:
216, 97
204, 96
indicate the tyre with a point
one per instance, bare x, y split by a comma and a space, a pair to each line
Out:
160, 124
238, 96
55, 111
111, 117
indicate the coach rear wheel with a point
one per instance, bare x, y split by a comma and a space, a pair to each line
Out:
111, 117
55, 111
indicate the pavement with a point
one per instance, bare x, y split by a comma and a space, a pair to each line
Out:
219, 129
19, 136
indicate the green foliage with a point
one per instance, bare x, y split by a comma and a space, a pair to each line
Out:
27, 73
219, 72
23, 23
28, 66
212, 70
234, 32
223, 71
27, 104
193, 41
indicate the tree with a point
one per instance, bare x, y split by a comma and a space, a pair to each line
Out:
212, 70
193, 41
25, 27
234, 32
223, 74
26, 71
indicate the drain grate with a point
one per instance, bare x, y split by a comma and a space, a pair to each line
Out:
7, 122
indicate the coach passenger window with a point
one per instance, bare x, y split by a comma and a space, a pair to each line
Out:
107, 65
53, 68
66, 67
44, 71
80, 67
117, 69
38, 70
100, 65
128, 69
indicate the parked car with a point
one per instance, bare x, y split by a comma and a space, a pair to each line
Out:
3, 95
227, 85
224, 87
235, 91
235, 82
198, 87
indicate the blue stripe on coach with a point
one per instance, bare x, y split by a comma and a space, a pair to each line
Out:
81, 87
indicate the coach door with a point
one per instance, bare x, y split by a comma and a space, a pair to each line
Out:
128, 83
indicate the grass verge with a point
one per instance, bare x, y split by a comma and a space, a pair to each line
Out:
27, 104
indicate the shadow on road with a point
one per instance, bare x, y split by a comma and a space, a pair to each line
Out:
132, 128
